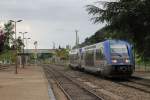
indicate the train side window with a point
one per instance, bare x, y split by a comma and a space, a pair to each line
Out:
99, 54
72, 58
76, 56
81, 56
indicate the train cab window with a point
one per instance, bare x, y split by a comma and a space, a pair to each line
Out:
118, 48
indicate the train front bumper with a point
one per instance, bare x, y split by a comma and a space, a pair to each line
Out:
119, 70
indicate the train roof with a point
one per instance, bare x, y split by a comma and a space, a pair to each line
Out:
106, 41
93, 46
116, 41
74, 51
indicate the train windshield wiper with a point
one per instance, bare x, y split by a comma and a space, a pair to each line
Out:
120, 55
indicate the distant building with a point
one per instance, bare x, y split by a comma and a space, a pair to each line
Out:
39, 51
32, 55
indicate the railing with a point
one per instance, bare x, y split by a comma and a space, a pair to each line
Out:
142, 67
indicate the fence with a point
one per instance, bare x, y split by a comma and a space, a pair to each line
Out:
142, 67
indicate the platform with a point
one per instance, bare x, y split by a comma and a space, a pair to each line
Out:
29, 84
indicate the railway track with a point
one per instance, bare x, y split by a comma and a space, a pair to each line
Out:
125, 89
110, 89
72, 89
135, 83
141, 81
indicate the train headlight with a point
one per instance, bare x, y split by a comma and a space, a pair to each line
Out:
127, 61
114, 61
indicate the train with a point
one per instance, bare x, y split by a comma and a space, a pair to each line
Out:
110, 58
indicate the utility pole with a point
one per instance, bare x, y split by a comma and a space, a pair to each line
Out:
53, 45
23, 33
15, 22
77, 38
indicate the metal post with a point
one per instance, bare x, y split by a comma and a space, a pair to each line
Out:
23, 51
23, 64
53, 45
16, 67
76, 37
27, 48
35, 44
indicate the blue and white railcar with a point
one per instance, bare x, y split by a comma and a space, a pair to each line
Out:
111, 58
74, 58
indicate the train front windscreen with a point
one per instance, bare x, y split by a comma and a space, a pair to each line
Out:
119, 53
121, 49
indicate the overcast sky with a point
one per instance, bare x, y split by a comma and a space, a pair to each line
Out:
50, 21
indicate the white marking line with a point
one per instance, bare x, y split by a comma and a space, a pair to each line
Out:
50, 93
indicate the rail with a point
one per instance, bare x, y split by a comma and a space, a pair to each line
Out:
53, 71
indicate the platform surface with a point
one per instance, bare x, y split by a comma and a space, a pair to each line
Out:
29, 84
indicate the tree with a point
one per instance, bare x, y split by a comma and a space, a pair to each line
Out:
7, 42
62, 53
126, 19
20, 43
8, 35
1, 40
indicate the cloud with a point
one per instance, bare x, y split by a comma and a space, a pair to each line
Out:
50, 20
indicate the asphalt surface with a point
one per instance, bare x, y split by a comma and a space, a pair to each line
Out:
29, 84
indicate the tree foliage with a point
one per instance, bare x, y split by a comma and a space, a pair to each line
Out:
8, 35
126, 19
20, 43
62, 53
1, 42
7, 42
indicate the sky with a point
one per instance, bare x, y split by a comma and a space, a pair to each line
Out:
48, 21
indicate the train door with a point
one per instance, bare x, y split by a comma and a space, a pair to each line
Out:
77, 59
89, 58
71, 59
99, 58
82, 59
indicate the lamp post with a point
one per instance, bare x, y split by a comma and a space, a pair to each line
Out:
77, 38
23, 33
53, 45
35, 44
27, 42
15, 22
27, 49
